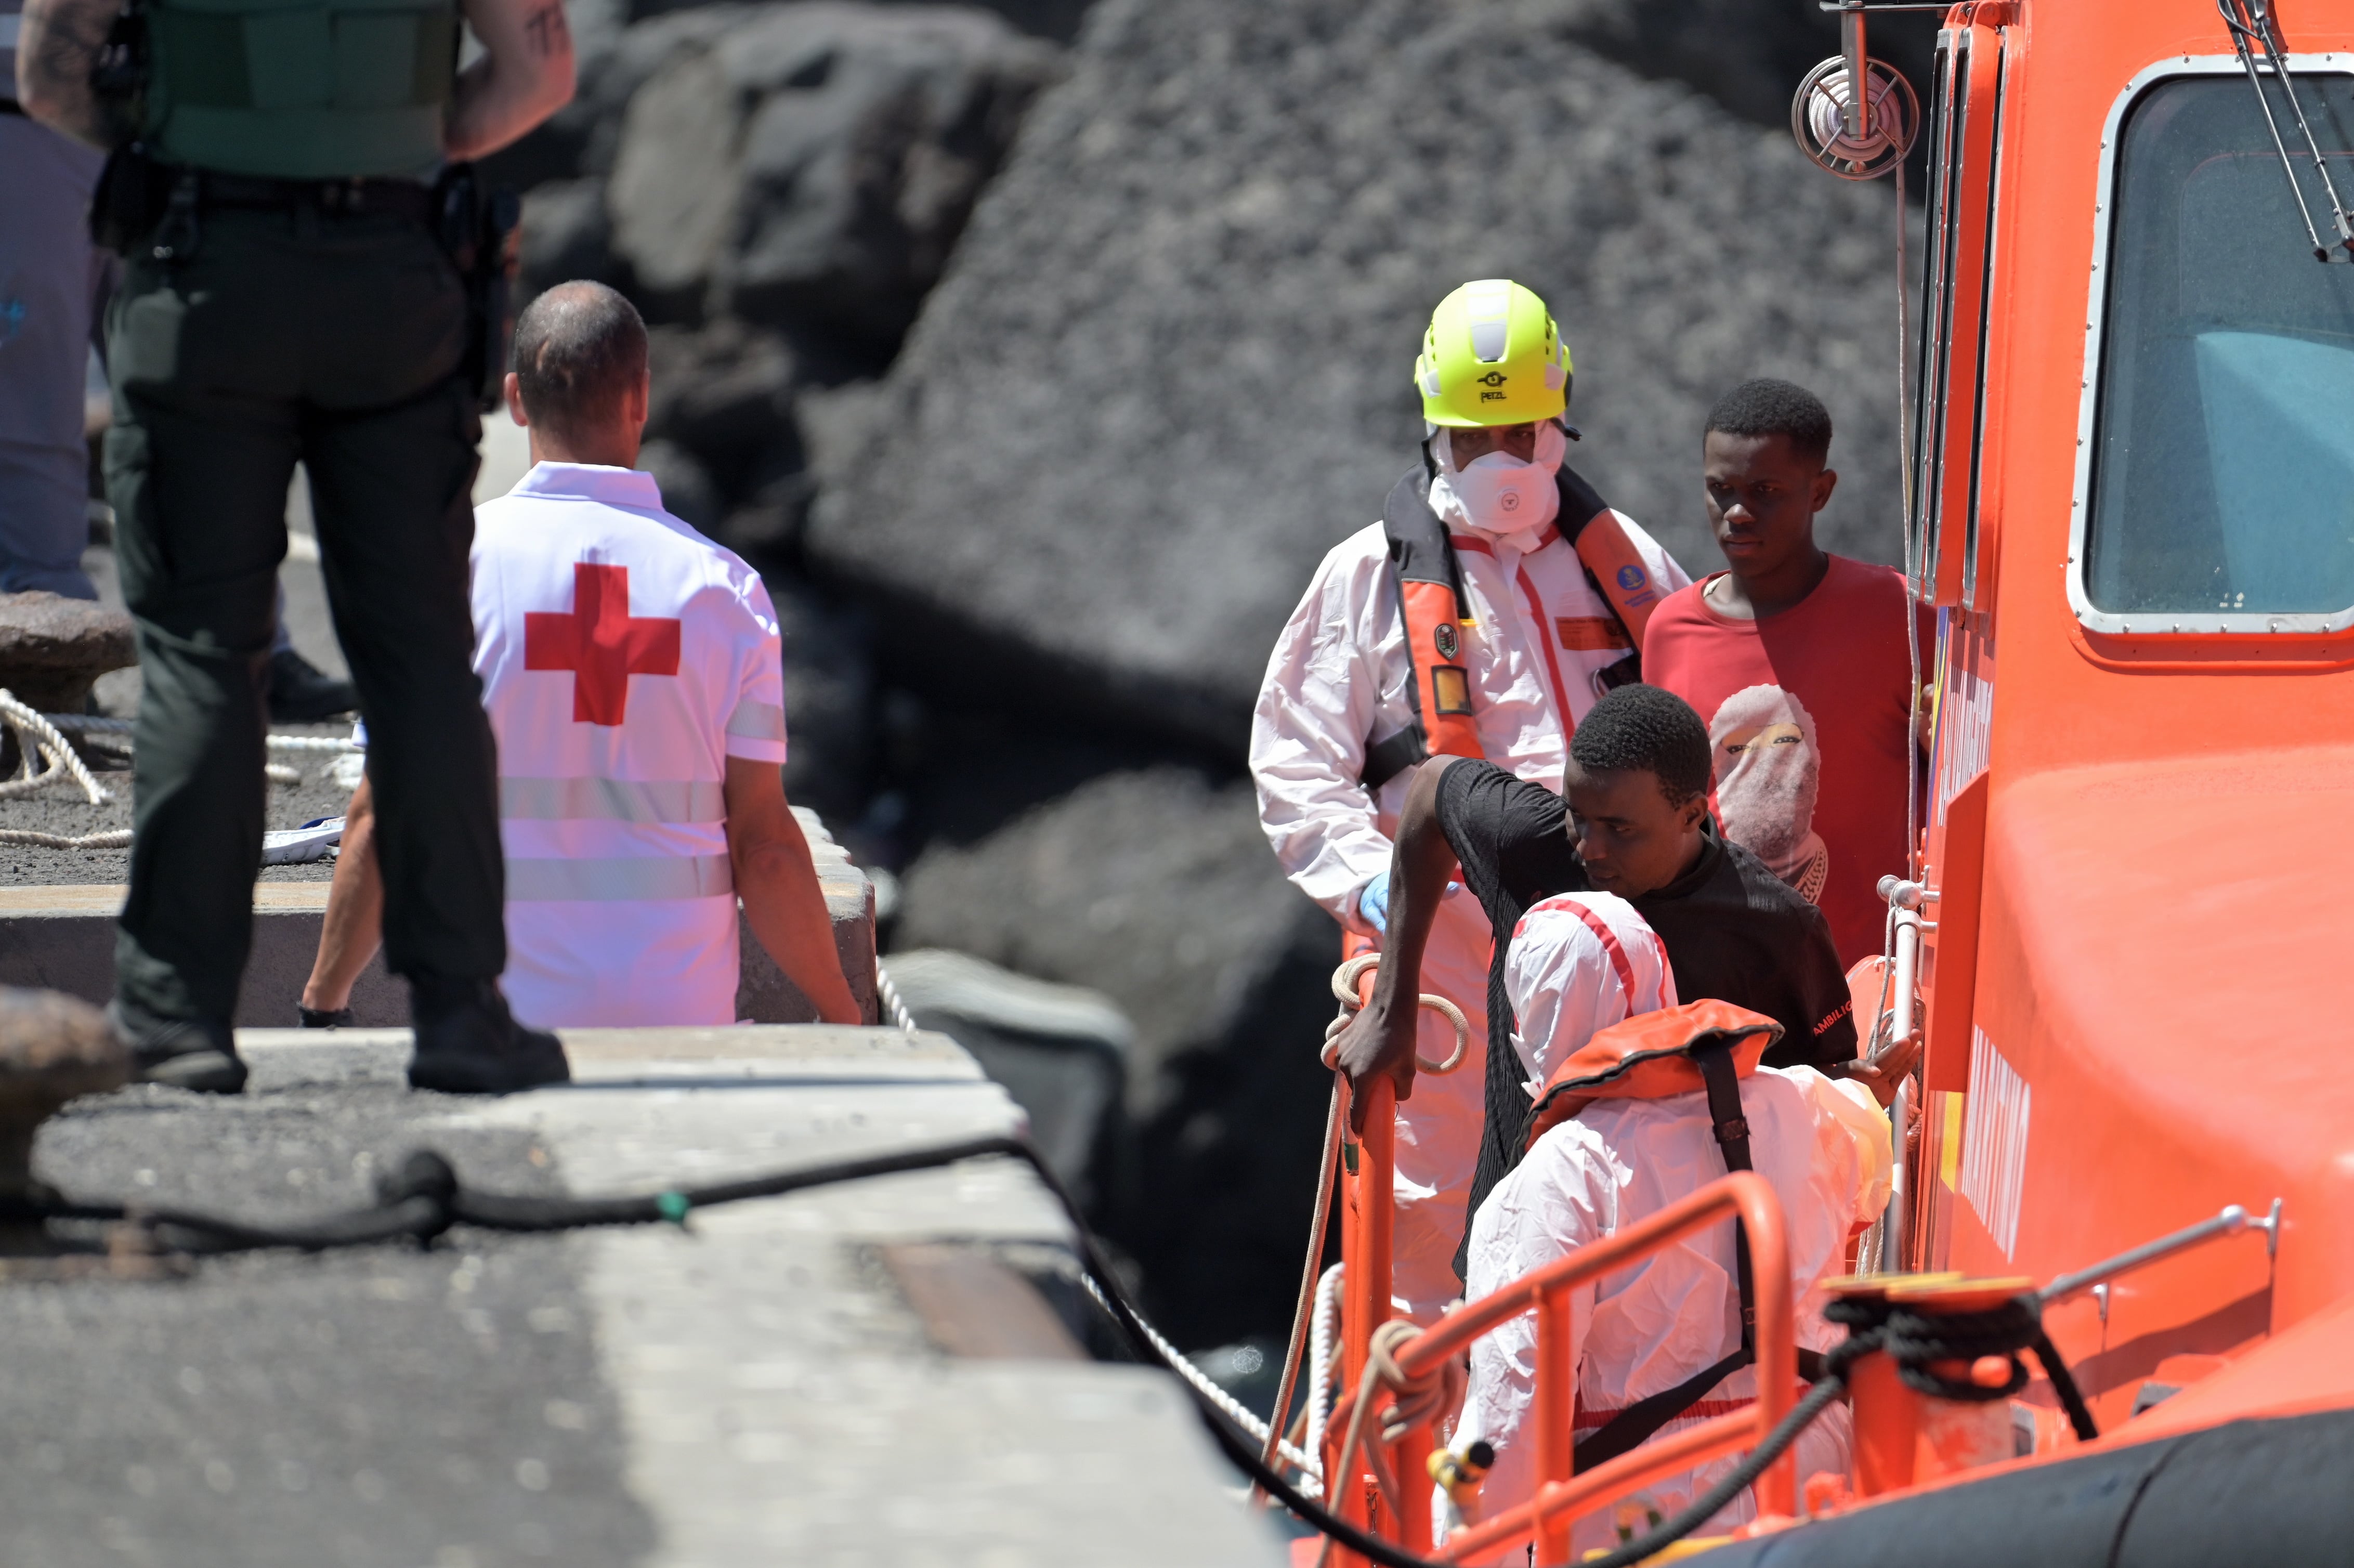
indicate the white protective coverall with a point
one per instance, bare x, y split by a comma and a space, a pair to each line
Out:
1337, 680
1823, 1145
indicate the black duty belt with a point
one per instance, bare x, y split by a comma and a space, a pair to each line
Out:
10, 106
345, 198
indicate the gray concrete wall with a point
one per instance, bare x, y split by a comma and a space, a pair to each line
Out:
62, 938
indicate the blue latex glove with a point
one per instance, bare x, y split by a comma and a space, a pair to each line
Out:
1374, 903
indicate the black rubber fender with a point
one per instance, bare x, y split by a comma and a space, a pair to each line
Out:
2276, 1490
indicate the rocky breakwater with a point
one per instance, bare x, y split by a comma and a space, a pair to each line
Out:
1167, 369
1166, 286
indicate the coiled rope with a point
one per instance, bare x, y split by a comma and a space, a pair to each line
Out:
1344, 988
43, 736
37, 737
1415, 1400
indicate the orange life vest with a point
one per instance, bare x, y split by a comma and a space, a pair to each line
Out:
1649, 1057
1702, 1046
1435, 614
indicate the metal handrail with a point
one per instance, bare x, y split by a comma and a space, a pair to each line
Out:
2229, 1223
1559, 1496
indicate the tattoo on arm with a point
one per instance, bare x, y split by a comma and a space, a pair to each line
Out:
62, 42
547, 29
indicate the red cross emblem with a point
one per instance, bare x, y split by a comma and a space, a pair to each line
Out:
601, 643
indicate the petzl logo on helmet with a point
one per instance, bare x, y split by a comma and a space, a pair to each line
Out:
1494, 378
1631, 577
1450, 644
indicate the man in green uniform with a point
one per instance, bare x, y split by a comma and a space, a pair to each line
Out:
287, 298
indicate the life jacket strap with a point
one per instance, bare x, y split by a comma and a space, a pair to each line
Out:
1636, 1424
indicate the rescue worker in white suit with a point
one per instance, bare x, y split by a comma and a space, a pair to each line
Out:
1578, 964
1368, 678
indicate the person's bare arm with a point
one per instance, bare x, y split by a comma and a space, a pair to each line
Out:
1379, 1039
524, 75
354, 926
777, 880
58, 43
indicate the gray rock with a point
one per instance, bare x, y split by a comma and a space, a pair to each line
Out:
53, 649
52, 1049
1061, 1051
1746, 54
1056, 19
809, 166
687, 491
724, 392
1155, 888
565, 236
1170, 367
829, 700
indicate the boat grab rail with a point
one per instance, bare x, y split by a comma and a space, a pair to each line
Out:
1561, 1497
2229, 1223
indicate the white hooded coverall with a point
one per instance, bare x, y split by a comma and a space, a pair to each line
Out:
1822, 1144
1338, 680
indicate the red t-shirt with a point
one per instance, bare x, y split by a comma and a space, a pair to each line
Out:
1809, 714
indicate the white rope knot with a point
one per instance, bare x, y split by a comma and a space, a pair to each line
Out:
1345, 980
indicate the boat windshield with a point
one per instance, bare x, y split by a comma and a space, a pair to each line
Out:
2224, 447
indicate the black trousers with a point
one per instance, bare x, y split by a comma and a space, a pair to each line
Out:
336, 341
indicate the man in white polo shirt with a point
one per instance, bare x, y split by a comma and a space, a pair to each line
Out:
633, 672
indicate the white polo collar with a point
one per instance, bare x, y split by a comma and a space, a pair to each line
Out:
592, 482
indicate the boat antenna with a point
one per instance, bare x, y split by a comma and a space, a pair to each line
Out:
2255, 29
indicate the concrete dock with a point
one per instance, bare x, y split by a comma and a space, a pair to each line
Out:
861, 1373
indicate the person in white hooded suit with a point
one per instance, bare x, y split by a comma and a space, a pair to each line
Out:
1340, 687
1823, 1144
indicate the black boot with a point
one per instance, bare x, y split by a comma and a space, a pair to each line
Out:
469, 1043
300, 693
180, 1051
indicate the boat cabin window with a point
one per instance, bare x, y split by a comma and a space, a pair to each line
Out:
2223, 443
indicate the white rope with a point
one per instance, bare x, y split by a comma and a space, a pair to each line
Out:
1322, 1343
119, 839
1235, 1409
90, 724
38, 737
892, 1005
1344, 990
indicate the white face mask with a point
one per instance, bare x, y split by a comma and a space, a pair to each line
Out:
1498, 494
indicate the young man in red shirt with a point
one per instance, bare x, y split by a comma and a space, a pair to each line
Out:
1796, 658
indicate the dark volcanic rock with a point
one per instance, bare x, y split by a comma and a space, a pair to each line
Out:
829, 701
1170, 364
1155, 888
810, 165
567, 237
1746, 54
687, 491
53, 1048
54, 648
726, 393
1060, 1051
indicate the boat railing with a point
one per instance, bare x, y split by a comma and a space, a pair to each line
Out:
1561, 1497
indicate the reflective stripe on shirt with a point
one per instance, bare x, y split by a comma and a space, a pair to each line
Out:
758, 720
672, 800
619, 878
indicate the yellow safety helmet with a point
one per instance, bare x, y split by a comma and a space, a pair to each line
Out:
1492, 356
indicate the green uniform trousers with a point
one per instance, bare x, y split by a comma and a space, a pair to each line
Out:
336, 341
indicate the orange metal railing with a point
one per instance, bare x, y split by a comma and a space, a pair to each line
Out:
1561, 1498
